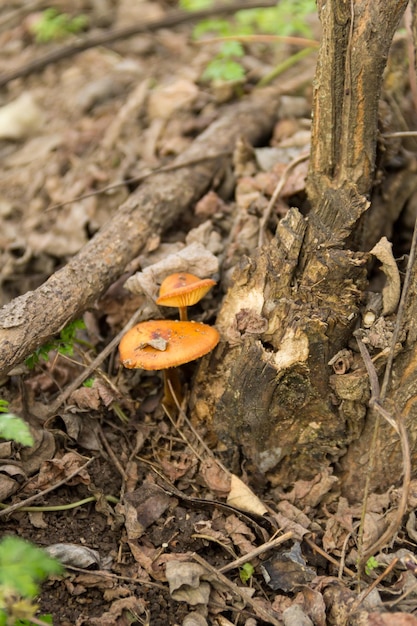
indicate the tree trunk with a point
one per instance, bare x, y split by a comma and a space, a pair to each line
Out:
294, 304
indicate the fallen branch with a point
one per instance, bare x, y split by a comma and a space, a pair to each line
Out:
29, 320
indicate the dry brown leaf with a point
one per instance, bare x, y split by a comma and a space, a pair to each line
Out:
142, 507
392, 290
243, 498
132, 605
185, 582
74, 554
58, 469
216, 479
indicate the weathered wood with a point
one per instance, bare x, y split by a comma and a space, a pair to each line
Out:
294, 304
29, 320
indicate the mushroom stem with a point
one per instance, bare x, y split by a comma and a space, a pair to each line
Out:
183, 313
172, 387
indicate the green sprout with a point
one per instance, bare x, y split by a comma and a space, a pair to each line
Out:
53, 25
23, 567
64, 344
371, 565
246, 572
288, 18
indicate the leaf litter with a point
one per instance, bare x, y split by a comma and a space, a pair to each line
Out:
146, 518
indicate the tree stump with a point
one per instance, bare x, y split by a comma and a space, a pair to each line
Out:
294, 304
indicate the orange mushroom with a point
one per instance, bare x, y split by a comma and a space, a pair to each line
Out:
182, 290
165, 344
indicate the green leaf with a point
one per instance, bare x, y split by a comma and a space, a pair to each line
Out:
4, 406
219, 27
23, 566
371, 564
16, 429
232, 49
223, 70
246, 572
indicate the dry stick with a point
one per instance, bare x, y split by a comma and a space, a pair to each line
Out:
105, 574
18, 505
280, 185
110, 36
268, 545
53, 408
140, 177
112, 455
372, 586
328, 557
258, 609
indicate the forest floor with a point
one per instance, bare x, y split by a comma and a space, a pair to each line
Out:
167, 535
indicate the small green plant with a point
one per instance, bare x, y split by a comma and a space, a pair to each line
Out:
286, 19
52, 25
13, 427
246, 572
23, 567
64, 344
371, 565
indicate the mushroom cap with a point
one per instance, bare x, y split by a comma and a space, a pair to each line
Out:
182, 289
158, 344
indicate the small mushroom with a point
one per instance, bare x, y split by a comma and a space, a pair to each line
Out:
165, 344
182, 290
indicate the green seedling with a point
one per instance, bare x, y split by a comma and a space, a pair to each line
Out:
64, 344
53, 26
246, 572
288, 18
371, 565
23, 567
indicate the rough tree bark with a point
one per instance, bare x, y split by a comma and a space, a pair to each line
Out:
293, 306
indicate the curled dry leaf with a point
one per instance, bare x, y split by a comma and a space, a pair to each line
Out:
392, 289
143, 507
55, 470
119, 608
243, 498
185, 582
216, 479
75, 555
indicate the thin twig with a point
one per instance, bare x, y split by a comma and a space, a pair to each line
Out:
19, 505
372, 586
268, 545
141, 177
277, 191
136, 317
260, 38
111, 454
104, 574
328, 557
399, 427
260, 611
